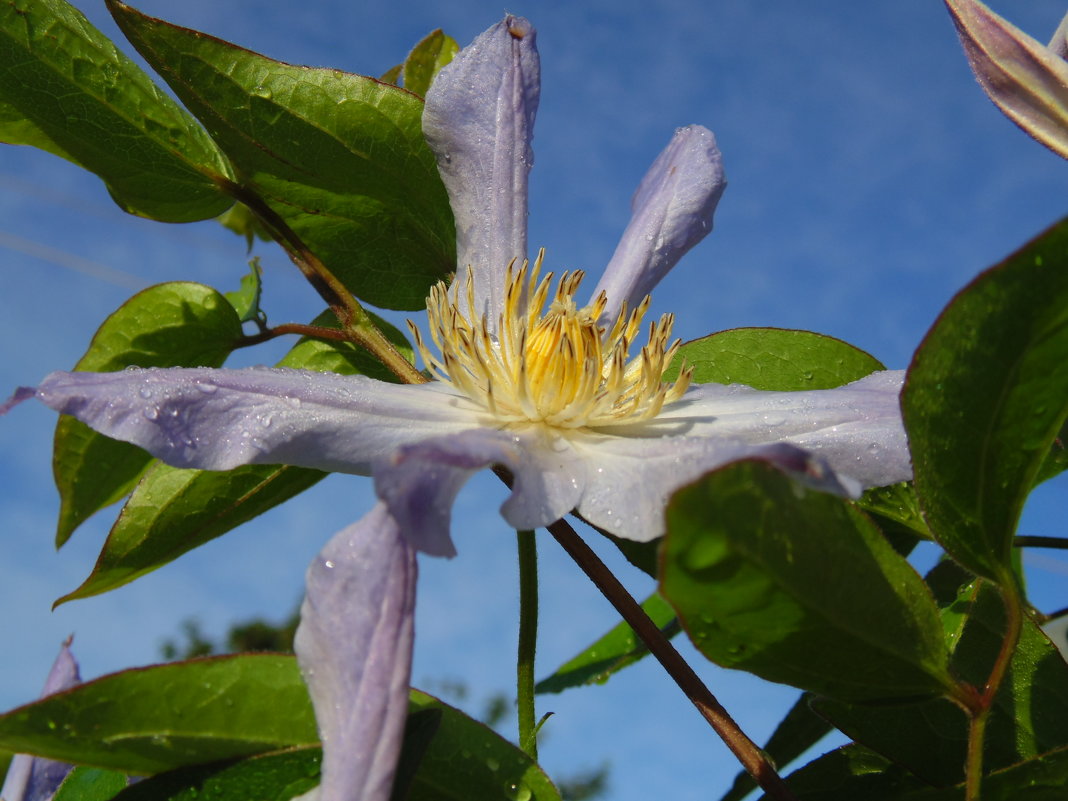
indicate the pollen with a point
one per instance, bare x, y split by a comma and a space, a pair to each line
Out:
550, 361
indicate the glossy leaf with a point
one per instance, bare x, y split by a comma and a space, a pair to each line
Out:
169, 325
1030, 713
173, 510
341, 158
246, 300
467, 760
796, 733
798, 587
611, 653
774, 359
65, 88
986, 395
150, 719
852, 773
91, 784
276, 776
426, 60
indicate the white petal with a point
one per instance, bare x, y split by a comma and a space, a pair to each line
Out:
354, 645
420, 482
857, 428
479, 121
671, 212
219, 419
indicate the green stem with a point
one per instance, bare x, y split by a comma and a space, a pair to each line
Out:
977, 729
528, 639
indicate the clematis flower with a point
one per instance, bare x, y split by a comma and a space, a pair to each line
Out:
31, 778
1026, 79
560, 391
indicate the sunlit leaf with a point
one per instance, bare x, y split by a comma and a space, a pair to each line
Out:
340, 157
986, 396
617, 649
65, 88
798, 587
150, 719
169, 325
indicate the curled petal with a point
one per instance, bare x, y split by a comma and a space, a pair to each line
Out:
354, 645
419, 483
219, 419
670, 213
1058, 43
479, 121
1027, 81
32, 778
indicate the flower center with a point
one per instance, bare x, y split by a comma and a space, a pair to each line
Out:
559, 367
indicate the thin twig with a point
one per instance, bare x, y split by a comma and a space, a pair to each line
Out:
312, 331
753, 759
350, 314
1035, 541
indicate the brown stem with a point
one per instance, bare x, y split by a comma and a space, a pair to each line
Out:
1035, 541
977, 729
313, 331
350, 314
753, 759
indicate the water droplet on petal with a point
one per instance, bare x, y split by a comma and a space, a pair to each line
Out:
207, 389
145, 392
258, 444
151, 413
328, 564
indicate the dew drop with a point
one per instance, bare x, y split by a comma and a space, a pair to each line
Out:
493, 765
263, 91
328, 564
207, 389
145, 392
266, 420
258, 444
151, 413
292, 402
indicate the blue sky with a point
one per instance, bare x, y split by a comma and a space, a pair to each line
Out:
869, 180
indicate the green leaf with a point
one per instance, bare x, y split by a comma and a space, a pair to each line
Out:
897, 511
156, 718
446, 755
246, 300
169, 325
174, 510
1029, 716
796, 733
240, 219
65, 88
277, 776
986, 395
773, 359
426, 60
851, 773
341, 158
798, 587
611, 653
467, 760
91, 784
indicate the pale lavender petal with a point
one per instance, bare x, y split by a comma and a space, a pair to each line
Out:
32, 778
479, 121
631, 479
670, 213
1058, 44
1026, 80
219, 419
420, 482
354, 645
856, 429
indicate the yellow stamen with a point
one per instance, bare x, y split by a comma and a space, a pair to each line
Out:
559, 367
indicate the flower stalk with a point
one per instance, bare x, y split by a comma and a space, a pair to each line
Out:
528, 638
